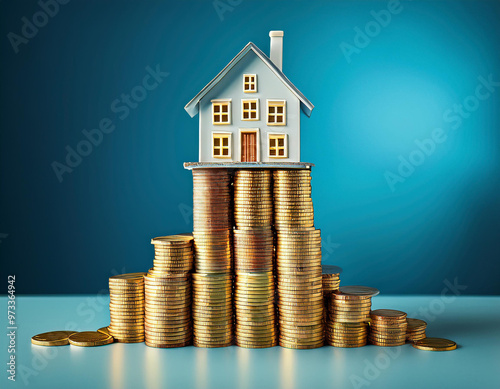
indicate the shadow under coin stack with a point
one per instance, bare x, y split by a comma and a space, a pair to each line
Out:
168, 293
212, 280
331, 282
415, 329
298, 261
126, 307
253, 260
387, 327
348, 316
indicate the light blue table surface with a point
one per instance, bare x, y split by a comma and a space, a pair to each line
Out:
473, 322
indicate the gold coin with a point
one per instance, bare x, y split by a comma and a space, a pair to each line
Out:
127, 278
90, 339
172, 240
53, 338
435, 344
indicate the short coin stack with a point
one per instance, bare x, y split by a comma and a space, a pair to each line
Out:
253, 259
415, 329
212, 220
331, 283
126, 307
253, 199
212, 280
293, 206
300, 288
348, 316
254, 308
168, 293
387, 327
212, 310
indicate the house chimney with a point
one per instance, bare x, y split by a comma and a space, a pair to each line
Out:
277, 48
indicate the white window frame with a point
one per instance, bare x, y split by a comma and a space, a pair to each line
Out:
274, 102
269, 136
250, 83
243, 101
257, 139
220, 102
230, 143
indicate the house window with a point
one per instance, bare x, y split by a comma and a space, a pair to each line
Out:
278, 146
249, 83
250, 109
221, 111
276, 112
221, 145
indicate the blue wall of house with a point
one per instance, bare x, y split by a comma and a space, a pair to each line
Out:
269, 86
378, 100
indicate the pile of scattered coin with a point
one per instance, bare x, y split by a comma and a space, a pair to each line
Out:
348, 316
126, 307
168, 293
300, 288
212, 280
387, 327
293, 206
415, 329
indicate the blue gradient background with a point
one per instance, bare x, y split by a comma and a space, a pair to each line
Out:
442, 223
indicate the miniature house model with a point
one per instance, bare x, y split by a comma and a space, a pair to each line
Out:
250, 112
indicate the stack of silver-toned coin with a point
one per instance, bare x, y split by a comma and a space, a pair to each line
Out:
126, 307
253, 259
212, 280
168, 293
348, 317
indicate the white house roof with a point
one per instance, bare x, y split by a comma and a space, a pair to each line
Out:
192, 107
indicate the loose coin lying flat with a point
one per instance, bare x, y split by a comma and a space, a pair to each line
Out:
357, 290
53, 338
435, 344
90, 339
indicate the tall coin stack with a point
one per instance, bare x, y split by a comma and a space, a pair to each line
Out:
298, 261
212, 280
168, 293
253, 259
126, 307
387, 327
348, 316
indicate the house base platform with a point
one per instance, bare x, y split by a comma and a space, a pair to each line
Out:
248, 165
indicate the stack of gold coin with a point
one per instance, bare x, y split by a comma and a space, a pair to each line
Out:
346, 334
126, 307
293, 207
253, 199
387, 327
168, 293
212, 200
212, 220
415, 329
212, 310
300, 289
349, 312
253, 250
331, 283
254, 308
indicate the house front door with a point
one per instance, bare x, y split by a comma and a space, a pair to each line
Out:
248, 147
